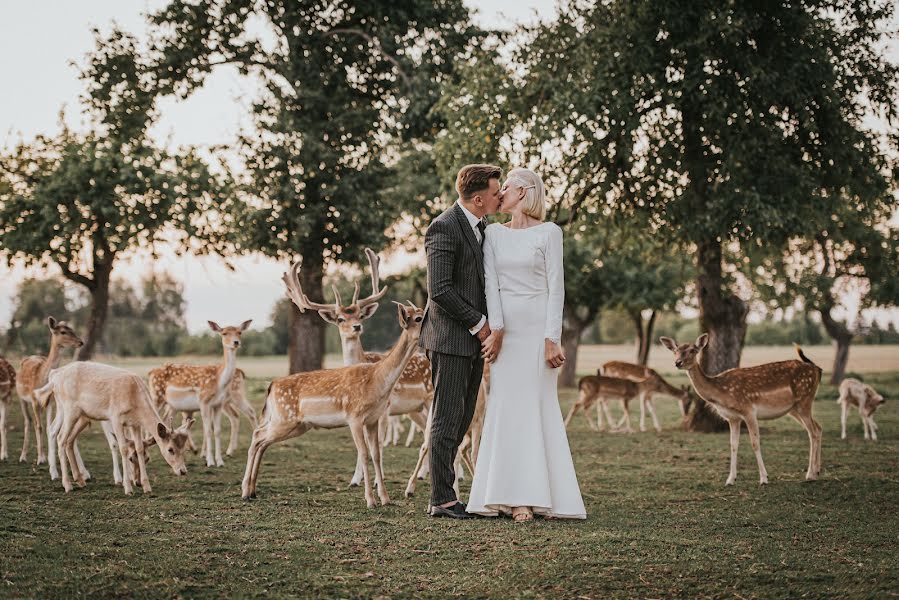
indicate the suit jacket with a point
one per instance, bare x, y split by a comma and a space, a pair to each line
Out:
456, 298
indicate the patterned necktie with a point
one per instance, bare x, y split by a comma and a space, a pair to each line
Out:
482, 227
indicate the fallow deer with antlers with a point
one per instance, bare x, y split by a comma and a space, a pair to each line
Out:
751, 394
414, 391
204, 388
354, 396
33, 374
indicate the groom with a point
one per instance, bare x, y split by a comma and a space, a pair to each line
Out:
455, 323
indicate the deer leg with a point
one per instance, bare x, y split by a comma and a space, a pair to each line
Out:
600, 424
627, 415
642, 399
752, 426
217, 435
422, 455
734, 425
410, 437
358, 432
71, 450
53, 450
80, 462
3, 450
141, 464
419, 419
26, 430
190, 438
67, 422
233, 428
114, 450
861, 414
571, 414
375, 448
39, 415
206, 414
803, 414
872, 426
118, 429
607, 412
650, 404
844, 414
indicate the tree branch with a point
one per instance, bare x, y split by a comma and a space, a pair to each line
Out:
377, 46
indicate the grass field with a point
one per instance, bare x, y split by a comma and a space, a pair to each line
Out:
661, 523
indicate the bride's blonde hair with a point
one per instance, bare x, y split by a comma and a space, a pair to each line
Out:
534, 202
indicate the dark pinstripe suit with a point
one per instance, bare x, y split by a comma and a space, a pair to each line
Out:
456, 304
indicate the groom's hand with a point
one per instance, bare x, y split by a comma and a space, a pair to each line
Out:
484, 332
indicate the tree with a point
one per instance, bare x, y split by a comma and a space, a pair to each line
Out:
728, 125
35, 300
851, 250
343, 86
81, 201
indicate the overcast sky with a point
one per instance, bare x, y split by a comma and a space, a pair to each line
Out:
40, 38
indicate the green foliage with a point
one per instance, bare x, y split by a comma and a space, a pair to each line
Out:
35, 300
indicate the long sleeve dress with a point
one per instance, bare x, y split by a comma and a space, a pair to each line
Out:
524, 458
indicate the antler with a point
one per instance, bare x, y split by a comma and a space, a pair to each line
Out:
295, 291
376, 295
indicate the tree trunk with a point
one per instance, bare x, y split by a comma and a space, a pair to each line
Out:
842, 337
647, 339
306, 331
637, 320
570, 341
723, 316
99, 310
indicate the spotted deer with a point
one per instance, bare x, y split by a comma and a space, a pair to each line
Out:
660, 387
749, 394
863, 397
600, 389
414, 391
203, 388
354, 396
7, 386
88, 391
33, 374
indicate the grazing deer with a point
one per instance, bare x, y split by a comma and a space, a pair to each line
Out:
355, 396
414, 391
748, 394
468, 449
88, 391
600, 389
7, 385
33, 374
862, 396
204, 388
660, 387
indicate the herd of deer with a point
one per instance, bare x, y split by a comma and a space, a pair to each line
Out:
367, 395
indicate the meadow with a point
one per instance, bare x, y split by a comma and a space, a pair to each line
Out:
661, 522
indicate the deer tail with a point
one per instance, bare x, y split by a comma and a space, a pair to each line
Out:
806, 359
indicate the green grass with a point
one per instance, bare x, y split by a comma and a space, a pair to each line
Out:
660, 523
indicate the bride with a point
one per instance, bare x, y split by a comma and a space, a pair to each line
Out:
524, 465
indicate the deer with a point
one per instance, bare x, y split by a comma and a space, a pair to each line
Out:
414, 391
749, 394
204, 388
89, 391
354, 396
637, 373
862, 396
7, 385
601, 389
33, 373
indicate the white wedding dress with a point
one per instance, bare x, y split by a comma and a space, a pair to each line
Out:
524, 458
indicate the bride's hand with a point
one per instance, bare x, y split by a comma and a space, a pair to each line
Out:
491, 346
555, 357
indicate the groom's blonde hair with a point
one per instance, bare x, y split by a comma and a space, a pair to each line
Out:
534, 202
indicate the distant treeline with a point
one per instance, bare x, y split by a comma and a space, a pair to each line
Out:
149, 321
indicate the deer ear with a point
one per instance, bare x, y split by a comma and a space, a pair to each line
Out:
162, 430
51, 322
401, 314
245, 325
668, 343
702, 341
214, 326
328, 315
369, 310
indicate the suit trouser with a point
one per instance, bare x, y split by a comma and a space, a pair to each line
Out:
456, 382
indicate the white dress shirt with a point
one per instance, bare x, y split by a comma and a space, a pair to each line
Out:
473, 221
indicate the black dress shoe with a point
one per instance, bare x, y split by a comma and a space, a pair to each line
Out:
456, 511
